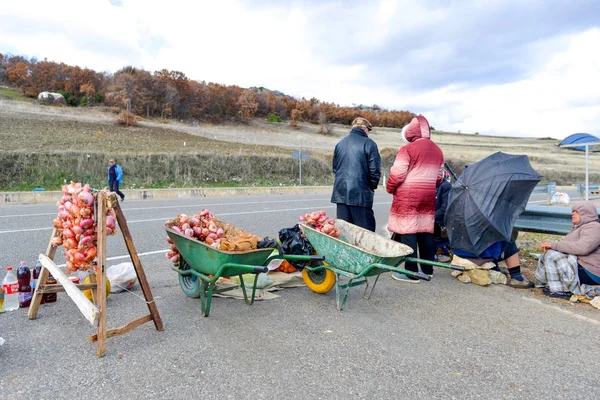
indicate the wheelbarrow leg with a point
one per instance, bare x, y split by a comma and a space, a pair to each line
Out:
206, 297
341, 290
243, 286
367, 293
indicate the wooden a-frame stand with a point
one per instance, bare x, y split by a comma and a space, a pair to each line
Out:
96, 313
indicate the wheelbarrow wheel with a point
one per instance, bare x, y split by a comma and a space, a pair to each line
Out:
321, 281
190, 284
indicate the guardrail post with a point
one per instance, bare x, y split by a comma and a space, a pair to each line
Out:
551, 191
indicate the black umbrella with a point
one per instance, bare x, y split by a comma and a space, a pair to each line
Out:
487, 199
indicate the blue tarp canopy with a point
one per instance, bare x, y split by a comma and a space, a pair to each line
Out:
580, 138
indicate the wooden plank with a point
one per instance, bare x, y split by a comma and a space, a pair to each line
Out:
125, 328
89, 311
101, 273
36, 299
56, 288
139, 270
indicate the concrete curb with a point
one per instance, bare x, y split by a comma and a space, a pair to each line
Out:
49, 197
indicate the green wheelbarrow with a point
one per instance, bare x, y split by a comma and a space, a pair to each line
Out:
200, 266
356, 255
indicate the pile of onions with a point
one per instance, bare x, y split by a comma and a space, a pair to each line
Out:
76, 229
321, 223
202, 227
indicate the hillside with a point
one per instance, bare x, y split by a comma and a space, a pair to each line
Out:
29, 130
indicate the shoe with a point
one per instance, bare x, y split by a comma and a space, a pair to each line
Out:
559, 295
404, 278
524, 284
122, 199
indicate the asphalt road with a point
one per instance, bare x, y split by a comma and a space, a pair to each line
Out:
439, 339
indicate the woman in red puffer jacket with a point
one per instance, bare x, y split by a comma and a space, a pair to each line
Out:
413, 179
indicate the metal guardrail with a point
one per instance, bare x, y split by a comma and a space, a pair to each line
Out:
548, 188
545, 219
593, 188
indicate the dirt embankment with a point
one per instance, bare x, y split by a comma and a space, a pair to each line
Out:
42, 146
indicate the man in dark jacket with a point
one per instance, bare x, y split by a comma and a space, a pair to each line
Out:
357, 169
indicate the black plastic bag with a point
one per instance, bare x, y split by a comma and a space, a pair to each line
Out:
268, 243
294, 243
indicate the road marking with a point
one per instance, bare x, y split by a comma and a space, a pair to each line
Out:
148, 253
557, 308
180, 206
219, 214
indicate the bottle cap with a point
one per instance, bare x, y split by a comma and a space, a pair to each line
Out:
9, 268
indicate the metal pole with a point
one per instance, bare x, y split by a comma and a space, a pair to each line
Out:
300, 162
587, 172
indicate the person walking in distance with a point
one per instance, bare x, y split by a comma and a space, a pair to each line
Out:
416, 173
357, 169
115, 178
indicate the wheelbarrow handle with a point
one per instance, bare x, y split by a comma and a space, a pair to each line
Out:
457, 267
260, 270
422, 276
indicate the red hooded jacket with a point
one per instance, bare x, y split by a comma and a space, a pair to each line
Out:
413, 179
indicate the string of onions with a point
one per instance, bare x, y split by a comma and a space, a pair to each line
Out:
77, 232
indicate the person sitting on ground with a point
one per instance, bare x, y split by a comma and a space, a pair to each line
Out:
506, 251
441, 204
569, 265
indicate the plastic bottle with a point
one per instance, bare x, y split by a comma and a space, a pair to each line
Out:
50, 297
10, 284
36, 274
24, 278
1, 300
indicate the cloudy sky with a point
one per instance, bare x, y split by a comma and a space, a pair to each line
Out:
498, 67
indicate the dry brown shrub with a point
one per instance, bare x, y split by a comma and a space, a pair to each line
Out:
127, 119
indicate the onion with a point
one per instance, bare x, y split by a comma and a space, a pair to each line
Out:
87, 188
220, 232
176, 228
70, 244
68, 233
56, 241
90, 253
57, 223
86, 223
185, 226
169, 240
194, 221
77, 230
111, 222
109, 231
189, 232
212, 235
86, 240
75, 210
197, 231
183, 218
86, 198
175, 258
